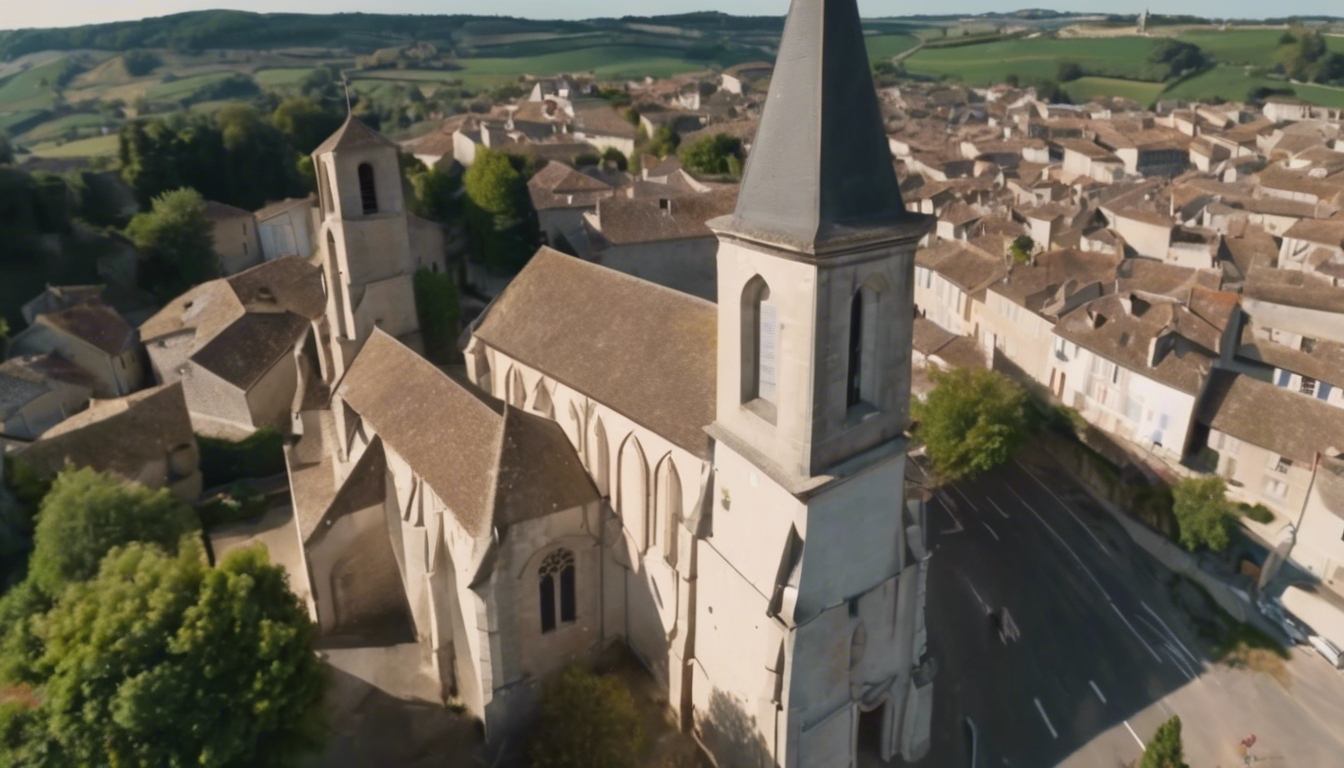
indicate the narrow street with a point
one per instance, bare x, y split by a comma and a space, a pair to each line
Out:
1057, 637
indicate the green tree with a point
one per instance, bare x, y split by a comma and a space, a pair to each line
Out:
86, 514
972, 421
161, 660
175, 236
712, 155
1022, 247
664, 142
1165, 750
139, 63
439, 309
587, 721
617, 158
501, 221
304, 122
1068, 70
6, 149
1203, 513
437, 195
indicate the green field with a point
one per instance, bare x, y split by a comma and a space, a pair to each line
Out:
82, 123
281, 78
97, 146
1258, 47
180, 89
988, 63
26, 91
1085, 89
607, 61
11, 119
1232, 84
887, 46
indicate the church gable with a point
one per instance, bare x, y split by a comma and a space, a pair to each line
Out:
645, 351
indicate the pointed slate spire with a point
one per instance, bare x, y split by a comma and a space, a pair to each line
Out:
820, 174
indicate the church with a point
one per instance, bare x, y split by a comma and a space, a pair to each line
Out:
720, 486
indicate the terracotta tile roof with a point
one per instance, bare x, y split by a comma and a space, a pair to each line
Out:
647, 352
1300, 426
353, 135
96, 323
1293, 289
1324, 231
967, 266
1123, 330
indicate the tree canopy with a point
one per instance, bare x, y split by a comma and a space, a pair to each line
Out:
86, 514
439, 309
972, 421
1203, 513
160, 660
177, 240
1165, 750
587, 721
716, 155
501, 222
305, 122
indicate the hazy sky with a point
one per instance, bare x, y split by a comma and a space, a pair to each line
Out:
61, 13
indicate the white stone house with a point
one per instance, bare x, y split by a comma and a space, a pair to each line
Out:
1130, 368
1318, 547
286, 228
234, 232
95, 338
949, 277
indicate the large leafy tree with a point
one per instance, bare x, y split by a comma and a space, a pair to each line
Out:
439, 308
501, 221
713, 155
86, 514
176, 238
305, 122
160, 660
587, 721
972, 421
1165, 750
1203, 513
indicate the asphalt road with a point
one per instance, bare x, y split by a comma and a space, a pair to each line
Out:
1054, 633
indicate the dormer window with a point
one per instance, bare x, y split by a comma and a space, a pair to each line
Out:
368, 193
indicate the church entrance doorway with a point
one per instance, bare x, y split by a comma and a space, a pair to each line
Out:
869, 748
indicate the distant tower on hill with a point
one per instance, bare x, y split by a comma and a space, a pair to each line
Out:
1143, 22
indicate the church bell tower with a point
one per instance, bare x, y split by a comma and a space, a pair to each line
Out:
816, 316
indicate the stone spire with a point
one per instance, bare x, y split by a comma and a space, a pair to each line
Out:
820, 175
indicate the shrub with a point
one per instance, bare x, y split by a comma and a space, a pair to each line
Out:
1164, 750
587, 721
1203, 513
261, 455
240, 502
1259, 513
437, 304
972, 421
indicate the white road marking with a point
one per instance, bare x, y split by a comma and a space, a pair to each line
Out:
1174, 638
1079, 560
1163, 704
1177, 660
1041, 709
1135, 735
991, 531
978, 598
999, 509
1097, 691
1103, 548
942, 501
970, 503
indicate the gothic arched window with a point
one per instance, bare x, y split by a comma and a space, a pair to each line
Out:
760, 344
556, 589
368, 193
854, 392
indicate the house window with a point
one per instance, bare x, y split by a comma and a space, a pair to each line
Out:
1283, 465
1308, 344
368, 193
1276, 489
557, 570
1308, 386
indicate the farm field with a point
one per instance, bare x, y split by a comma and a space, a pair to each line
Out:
612, 61
1258, 47
1087, 88
988, 63
281, 78
25, 90
887, 46
57, 128
1232, 83
179, 89
94, 147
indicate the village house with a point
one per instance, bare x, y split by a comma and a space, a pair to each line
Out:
1318, 543
37, 392
231, 343
234, 233
561, 197
92, 336
950, 277
145, 438
286, 228
1296, 333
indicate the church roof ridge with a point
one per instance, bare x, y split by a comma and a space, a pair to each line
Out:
820, 176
